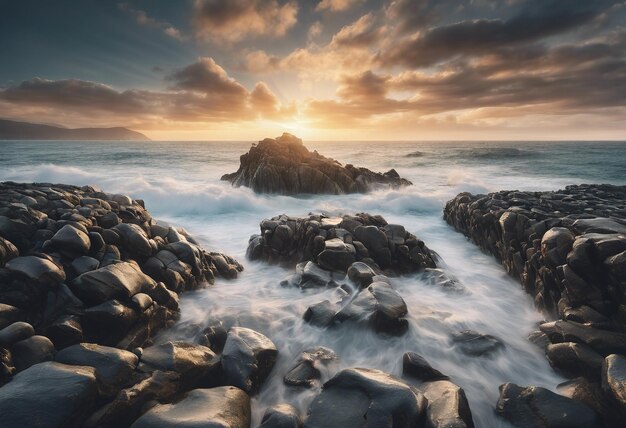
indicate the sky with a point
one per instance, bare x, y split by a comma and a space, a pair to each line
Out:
321, 69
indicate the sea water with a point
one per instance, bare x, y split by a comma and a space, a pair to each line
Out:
180, 183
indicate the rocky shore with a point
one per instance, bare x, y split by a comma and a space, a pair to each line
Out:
87, 279
285, 166
568, 250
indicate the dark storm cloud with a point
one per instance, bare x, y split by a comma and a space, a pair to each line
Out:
537, 19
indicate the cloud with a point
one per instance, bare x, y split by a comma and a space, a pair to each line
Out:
336, 5
145, 20
536, 20
234, 20
206, 76
200, 92
361, 34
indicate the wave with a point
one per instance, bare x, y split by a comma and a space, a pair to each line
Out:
495, 152
415, 154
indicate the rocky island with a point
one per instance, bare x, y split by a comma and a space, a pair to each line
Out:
285, 166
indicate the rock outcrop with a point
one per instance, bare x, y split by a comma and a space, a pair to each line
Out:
285, 166
80, 265
568, 249
86, 280
335, 243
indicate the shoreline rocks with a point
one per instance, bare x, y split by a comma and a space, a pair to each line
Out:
336, 243
285, 166
568, 250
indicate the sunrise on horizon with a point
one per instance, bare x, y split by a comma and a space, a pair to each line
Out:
324, 70
313, 214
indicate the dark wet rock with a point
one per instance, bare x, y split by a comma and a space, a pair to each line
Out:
117, 281
31, 351
84, 264
65, 331
108, 322
71, 239
447, 405
614, 379
538, 407
564, 247
416, 366
15, 332
440, 278
38, 269
366, 398
214, 337
380, 306
196, 364
348, 243
575, 359
306, 372
129, 403
98, 244
8, 251
285, 166
588, 316
8, 315
281, 416
7, 369
321, 314
361, 274
48, 395
476, 344
539, 338
247, 358
603, 341
223, 407
590, 393
114, 367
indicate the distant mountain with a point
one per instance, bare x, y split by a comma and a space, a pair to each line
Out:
11, 130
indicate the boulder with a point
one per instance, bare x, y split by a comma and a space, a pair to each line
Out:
8, 315
114, 367
247, 358
439, 278
281, 416
38, 269
31, 351
366, 398
476, 344
614, 379
361, 274
129, 403
556, 244
575, 359
108, 323
416, 366
447, 405
306, 372
134, 240
337, 255
65, 331
116, 281
15, 332
71, 240
223, 407
603, 341
538, 407
196, 364
380, 306
48, 395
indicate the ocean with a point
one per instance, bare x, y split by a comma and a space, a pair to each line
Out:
180, 183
